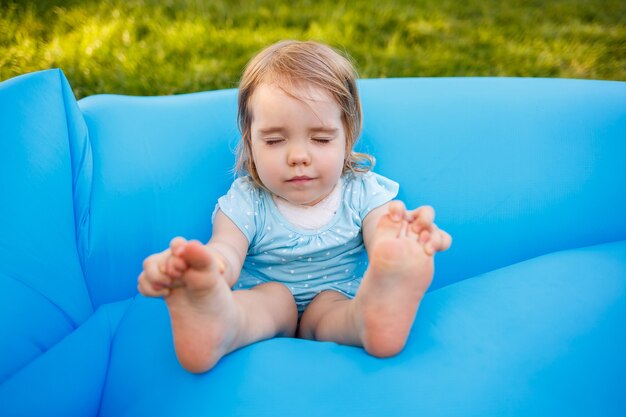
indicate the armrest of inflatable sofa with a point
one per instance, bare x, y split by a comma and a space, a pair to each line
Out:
43, 148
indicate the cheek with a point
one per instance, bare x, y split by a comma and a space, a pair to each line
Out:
266, 170
266, 165
333, 160
342, 153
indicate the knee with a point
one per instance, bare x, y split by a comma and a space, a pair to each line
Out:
284, 304
315, 313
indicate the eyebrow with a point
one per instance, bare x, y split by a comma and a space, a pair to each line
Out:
270, 129
324, 129
274, 129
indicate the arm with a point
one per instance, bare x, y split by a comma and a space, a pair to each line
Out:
231, 244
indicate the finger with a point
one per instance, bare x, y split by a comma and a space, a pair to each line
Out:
446, 240
177, 245
164, 292
425, 239
175, 266
423, 221
140, 283
154, 271
155, 262
440, 239
435, 241
424, 216
404, 229
145, 287
396, 210
410, 231
176, 283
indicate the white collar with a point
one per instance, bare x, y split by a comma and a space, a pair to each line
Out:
311, 217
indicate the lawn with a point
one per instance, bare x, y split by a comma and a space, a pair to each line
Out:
179, 46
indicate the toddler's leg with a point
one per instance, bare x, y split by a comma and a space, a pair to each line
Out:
209, 320
382, 313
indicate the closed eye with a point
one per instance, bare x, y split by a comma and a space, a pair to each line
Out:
273, 141
322, 140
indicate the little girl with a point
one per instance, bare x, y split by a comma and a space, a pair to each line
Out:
307, 241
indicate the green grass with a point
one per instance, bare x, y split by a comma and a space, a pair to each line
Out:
179, 46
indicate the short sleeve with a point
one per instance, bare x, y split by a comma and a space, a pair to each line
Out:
240, 205
372, 191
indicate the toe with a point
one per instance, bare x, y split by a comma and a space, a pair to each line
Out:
206, 266
196, 255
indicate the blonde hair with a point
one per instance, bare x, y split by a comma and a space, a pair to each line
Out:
293, 64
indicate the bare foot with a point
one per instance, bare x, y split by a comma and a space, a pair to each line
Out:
397, 278
205, 318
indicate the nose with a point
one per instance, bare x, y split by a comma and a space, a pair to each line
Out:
298, 155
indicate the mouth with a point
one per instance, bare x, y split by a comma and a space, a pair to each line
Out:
300, 179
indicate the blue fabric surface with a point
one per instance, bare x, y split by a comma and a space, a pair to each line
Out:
516, 341
526, 314
42, 289
515, 168
161, 161
69, 378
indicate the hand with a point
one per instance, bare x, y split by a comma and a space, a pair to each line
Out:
432, 238
162, 271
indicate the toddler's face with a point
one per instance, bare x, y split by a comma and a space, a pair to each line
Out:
298, 145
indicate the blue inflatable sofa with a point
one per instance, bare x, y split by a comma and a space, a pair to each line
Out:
526, 315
